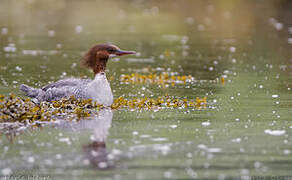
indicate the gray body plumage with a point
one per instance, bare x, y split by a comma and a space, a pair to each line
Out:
97, 89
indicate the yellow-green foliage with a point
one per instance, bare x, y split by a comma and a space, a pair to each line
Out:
156, 103
17, 109
163, 78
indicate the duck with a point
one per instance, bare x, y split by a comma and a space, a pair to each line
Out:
97, 89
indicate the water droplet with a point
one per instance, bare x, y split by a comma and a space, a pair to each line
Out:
275, 132
4, 31
18, 68
30, 159
173, 126
189, 20
58, 156
257, 164
206, 123
286, 151
279, 26
145, 136
214, 150
6, 171
78, 29
167, 174
232, 49
201, 27
159, 139
236, 140
102, 165
51, 33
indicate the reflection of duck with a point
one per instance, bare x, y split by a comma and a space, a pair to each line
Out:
97, 155
98, 89
95, 152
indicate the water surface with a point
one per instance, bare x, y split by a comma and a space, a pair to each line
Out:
244, 131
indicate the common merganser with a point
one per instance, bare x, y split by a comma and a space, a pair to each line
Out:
97, 89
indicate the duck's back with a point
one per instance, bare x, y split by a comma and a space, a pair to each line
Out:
63, 88
74, 82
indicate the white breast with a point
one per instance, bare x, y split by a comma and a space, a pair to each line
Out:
100, 91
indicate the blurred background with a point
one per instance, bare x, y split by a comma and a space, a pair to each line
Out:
67, 28
48, 38
55, 34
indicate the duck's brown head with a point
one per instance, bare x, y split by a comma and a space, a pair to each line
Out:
97, 57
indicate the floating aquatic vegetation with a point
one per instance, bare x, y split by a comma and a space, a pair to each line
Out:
163, 78
24, 110
160, 102
17, 114
17, 109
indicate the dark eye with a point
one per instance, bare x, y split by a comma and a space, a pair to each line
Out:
111, 50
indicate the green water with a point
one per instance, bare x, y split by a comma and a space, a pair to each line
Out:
245, 130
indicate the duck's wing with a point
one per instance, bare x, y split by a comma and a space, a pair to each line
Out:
66, 82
